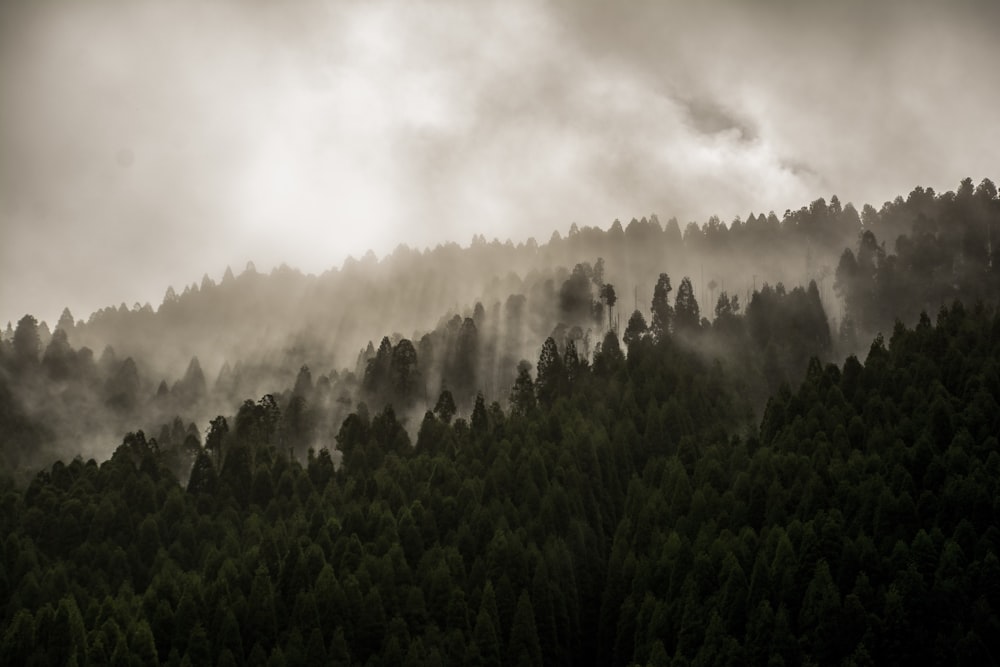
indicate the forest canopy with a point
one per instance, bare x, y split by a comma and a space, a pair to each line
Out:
601, 458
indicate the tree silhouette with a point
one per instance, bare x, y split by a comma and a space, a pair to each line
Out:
662, 311
27, 343
686, 313
551, 378
218, 429
609, 298
635, 329
445, 407
404, 373
522, 396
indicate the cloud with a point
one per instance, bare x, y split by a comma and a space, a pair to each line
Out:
144, 144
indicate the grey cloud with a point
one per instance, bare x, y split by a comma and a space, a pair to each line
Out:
710, 117
144, 144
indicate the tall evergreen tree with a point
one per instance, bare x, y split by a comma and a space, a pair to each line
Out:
524, 648
551, 380
663, 312
27, 343
522, 396
480, 421
635, 329
445, 407
686, 313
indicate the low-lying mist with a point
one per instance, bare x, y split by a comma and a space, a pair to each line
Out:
401, 330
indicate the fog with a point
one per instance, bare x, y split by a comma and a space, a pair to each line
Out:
143, 145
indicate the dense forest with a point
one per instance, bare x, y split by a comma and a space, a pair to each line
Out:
580, 452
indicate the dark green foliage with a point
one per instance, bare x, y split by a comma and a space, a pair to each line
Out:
635, 329
257, 423
609, 358
524, 647
522, 396
404, 374
609, 298
551, 381
663, 312
461, 369
377, 371
480, 420
575, 300
487, 542
445, 408
687, 315
939, 249
624, 511
27, 344
218, 429
832, 579
785, 328
203, 477
486, 631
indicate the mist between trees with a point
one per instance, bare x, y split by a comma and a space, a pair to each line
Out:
582, 465
760, 295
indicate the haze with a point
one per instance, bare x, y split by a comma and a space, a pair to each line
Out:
144, 144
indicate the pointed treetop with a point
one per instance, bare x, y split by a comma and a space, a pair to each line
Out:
66, 321
27, 342
445, 408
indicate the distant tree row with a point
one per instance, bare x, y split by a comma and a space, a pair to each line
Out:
946, 248
765, 346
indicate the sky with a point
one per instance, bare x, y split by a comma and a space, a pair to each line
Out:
144, 144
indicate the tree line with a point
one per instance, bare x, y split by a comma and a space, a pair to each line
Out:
618, 512
690, 485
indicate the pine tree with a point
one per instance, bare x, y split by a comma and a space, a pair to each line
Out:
27, 342
687, 317
635, 329
662, 311
404, 374
445, 408
485, 633
551, 379
377, 372
480, 420
524, 647
203, 478
522, 396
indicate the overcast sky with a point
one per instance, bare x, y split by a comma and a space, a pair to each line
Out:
144, 144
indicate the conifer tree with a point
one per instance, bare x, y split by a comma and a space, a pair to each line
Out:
522, 396
687, 316
663, 312
551, 378
524, 647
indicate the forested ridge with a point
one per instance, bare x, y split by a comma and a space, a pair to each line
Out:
631, 496
614, 521
471, 314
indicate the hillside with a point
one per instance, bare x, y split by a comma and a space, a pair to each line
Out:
210, 346
610, 516
538, 473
